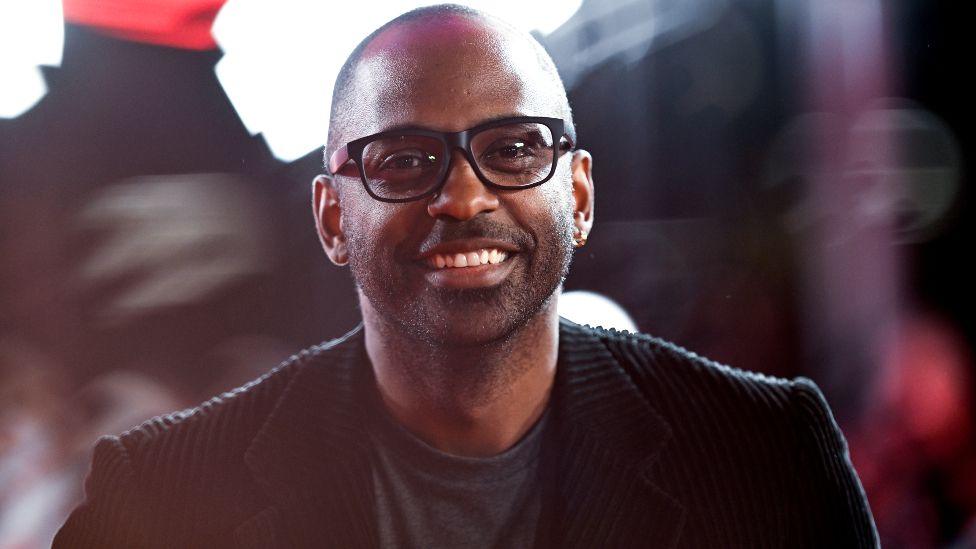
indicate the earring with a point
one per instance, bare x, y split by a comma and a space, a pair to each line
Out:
580, 238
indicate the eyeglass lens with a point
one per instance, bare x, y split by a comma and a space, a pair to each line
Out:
404, 166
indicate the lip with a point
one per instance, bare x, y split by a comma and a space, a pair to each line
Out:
468, 245
482, 276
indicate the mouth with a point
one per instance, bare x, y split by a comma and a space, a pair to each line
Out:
461, 260
473, 265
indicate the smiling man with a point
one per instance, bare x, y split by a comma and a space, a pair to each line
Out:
464, 412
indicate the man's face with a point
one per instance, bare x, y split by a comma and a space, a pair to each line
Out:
449, 79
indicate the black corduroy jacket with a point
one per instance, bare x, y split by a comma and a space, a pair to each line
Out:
651, 446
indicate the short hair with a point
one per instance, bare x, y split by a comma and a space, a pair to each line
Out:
344, 83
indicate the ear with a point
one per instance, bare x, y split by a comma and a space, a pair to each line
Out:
328, 219
583, 191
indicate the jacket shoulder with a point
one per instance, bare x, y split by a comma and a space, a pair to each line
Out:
657, 365
764, 441
185, 468
246, 403
221, 427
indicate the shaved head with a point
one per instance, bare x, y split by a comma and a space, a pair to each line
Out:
406, 45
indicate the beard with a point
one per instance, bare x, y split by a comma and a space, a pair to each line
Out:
470, 317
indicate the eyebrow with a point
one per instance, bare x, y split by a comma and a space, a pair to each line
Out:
411, 126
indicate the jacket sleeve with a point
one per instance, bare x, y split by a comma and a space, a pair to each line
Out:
107, 516
839, 514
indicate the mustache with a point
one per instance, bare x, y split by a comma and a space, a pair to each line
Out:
477, 227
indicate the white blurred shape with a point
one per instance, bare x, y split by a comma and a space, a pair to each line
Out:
34, 30
627, 30
23, 87
544, 17
31, 34
594, 309
281, 58
187, 237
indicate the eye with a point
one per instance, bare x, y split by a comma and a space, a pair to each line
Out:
407, 160
514, 150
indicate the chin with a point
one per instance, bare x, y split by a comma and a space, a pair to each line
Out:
469, 318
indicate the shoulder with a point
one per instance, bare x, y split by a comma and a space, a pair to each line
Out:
715, 400
179, 467
239, 408
218, 430
665, 371
739, 432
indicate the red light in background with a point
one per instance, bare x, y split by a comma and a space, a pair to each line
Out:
182, 24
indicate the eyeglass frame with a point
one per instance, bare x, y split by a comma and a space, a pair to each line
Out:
353, 151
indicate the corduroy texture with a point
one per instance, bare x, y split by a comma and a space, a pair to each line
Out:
652, 446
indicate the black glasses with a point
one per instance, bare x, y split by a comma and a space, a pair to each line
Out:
404, 165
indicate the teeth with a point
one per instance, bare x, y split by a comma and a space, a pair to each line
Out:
483, 256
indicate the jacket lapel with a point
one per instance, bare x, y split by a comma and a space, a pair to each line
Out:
312, 459
607, 438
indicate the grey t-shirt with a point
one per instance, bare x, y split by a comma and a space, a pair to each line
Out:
426, 498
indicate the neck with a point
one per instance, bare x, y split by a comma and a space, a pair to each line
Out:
465, 400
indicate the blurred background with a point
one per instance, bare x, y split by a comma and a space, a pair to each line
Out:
781, 186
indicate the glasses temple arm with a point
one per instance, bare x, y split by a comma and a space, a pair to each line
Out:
338, 160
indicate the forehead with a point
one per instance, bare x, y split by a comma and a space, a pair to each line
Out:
448, 74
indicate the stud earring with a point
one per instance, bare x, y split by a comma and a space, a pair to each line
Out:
580, 238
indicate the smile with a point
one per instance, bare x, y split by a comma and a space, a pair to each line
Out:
474, 258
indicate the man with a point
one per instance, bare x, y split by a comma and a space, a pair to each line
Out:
464, 412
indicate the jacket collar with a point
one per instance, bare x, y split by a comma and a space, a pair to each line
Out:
311, 457
608, 439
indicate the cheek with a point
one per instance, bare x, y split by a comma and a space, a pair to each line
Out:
359, 220
546, 212
557, 195
370, 224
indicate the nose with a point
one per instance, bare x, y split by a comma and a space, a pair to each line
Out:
463, 195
